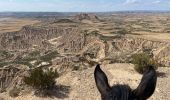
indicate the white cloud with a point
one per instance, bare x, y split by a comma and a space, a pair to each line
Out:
157, 2
131, 2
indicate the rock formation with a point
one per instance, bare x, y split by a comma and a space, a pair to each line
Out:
10, 77
85, 16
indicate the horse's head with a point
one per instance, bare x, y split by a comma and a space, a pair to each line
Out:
124, 92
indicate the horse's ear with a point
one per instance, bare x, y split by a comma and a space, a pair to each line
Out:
147, 85
101, 81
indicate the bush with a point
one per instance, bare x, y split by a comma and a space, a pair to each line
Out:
41, 80
14, 92
4, 63
49, 56
142, 61
5, 54
34, 54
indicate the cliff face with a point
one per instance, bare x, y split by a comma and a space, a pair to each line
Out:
126, 46
29, 37
11, 77
71, 40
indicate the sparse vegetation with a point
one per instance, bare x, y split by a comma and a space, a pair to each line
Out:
110, 40
14, 92
23, 63
123, 32
5, 54
41, 80
4, 63
31, 56
34, 54
102, 37
49, 56
142, 61
64, 21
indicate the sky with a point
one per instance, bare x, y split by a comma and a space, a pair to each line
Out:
83, 5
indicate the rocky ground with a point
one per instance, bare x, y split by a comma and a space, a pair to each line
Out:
80, 85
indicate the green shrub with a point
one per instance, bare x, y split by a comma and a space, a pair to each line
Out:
4, 63
142, 61
5, 54
34, 54
41, 80
49, 56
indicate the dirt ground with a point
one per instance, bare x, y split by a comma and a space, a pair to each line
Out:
164, 37
80, 85
14, 24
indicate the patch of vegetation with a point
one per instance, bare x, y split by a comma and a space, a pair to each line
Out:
4, 63
26, 59
14, 92
142, 61
34, 54
102, 37
106, 38
23, 63
41, 80
123, 32
49, 56
5, 54
31, 56
64, 21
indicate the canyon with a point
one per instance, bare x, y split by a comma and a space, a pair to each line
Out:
74, 45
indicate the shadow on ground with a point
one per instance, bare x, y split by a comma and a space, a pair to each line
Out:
59, 91
161, 74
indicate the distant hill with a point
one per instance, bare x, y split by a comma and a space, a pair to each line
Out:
34, 14
85, 16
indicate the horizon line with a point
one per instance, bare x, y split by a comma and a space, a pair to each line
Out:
84, 11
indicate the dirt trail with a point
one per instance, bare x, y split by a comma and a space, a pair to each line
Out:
80, 85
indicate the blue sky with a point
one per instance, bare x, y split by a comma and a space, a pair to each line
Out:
83, 5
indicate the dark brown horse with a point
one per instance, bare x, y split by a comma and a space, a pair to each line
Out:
124, 92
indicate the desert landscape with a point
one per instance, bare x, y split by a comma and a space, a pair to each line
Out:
74, 43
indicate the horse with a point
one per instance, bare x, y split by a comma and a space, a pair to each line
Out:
123, 92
